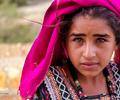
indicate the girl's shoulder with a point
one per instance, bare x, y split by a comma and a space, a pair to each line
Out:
46, 89
42, 93
114, 70
55, 86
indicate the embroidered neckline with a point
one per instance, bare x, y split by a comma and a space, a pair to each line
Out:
110, 86
112, 69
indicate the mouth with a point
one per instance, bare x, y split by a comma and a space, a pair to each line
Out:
89, 65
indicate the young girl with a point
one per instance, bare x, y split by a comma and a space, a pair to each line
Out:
71, 57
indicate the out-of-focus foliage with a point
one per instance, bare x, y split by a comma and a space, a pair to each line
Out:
8, 11
17, 33
17, 2
12, 26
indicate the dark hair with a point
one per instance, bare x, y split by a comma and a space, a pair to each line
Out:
95, 12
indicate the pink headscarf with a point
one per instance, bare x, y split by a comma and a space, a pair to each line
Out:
45, 48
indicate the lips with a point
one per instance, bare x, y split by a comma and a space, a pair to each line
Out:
89, 65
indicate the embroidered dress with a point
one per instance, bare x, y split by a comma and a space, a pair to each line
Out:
57, 87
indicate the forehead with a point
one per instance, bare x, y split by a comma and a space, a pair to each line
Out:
87, 24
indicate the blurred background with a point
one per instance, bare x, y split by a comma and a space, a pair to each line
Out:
18, 29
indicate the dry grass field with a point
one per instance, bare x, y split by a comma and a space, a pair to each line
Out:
12, 57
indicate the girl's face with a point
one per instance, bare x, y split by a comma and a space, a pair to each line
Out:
90, 44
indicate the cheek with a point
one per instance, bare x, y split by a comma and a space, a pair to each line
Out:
70, 50
74, 55
105, 54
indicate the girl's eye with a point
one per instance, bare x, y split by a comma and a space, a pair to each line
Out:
78, 40
101, 40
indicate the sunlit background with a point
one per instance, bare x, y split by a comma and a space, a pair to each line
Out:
18, 29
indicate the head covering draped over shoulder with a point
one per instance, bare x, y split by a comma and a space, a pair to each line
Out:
45, 48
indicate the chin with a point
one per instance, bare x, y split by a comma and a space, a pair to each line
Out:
90, 74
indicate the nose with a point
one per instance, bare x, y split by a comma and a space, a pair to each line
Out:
89, 51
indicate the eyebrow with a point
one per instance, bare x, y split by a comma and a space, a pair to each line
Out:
102, 35
95, 35
77, 34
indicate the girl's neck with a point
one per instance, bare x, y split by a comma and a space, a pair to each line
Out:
91, 80
93, 85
